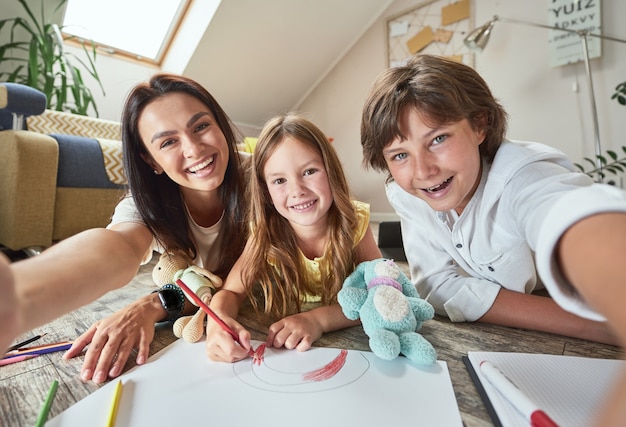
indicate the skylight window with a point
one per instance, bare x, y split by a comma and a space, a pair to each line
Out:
142, 29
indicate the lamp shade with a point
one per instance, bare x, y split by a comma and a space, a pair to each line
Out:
477, 39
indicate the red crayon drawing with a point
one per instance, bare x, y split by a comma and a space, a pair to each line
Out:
259, 354
329, 370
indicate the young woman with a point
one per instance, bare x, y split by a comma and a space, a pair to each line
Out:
307, 235
481, 214
186, 193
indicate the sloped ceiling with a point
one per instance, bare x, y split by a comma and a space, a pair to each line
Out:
262, 57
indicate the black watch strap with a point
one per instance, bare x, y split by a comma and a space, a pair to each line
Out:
173, 301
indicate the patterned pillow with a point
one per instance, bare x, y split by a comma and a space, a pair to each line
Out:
72, 124
106, 132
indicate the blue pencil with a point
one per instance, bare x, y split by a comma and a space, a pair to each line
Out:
50, 348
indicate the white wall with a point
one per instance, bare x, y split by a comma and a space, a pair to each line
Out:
539, 99
118, 76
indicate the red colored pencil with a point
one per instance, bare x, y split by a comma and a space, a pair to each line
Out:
210, 312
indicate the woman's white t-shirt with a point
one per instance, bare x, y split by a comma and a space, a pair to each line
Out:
207, 239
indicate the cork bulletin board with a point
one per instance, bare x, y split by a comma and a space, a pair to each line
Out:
436, 27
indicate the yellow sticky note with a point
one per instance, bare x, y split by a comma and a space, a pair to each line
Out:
457, 58
420, 40
455, 12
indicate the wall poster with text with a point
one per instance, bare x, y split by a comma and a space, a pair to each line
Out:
579, 15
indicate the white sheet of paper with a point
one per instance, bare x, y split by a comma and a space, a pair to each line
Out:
569, 389
181, 386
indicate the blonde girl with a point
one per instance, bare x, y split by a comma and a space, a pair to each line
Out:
307, 236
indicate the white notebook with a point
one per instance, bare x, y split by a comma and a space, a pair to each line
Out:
180, 386
569, 389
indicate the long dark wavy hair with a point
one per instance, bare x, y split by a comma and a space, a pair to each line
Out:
158, 198
275, 267
443, 91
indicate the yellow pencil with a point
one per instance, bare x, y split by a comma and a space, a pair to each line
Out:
114, 404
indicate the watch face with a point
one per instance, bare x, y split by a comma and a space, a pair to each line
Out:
170, 300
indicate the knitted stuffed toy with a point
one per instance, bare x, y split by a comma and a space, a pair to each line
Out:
390, 309
173, 266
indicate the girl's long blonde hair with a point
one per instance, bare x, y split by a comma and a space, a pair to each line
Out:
275, 266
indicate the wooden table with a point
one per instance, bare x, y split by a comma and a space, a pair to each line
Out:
24, 385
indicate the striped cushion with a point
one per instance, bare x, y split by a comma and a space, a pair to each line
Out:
73, 124
113, 160
106, 132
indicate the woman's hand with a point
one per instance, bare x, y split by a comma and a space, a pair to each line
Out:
112, 339
298, 331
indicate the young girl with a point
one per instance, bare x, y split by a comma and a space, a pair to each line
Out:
482, 215
186, 193
307, 236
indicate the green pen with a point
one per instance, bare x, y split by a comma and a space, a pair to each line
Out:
43, 414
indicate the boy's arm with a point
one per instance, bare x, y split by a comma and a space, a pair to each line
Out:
539, 313
591, 255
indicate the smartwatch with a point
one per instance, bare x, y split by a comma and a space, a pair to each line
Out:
173, 301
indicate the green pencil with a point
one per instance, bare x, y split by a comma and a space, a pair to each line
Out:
43, 414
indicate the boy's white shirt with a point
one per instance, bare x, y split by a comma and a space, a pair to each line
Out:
528, 197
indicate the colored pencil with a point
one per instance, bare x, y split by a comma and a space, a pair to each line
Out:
45, 409
23, 343
210, 312
114, 404
43, 349
10, 360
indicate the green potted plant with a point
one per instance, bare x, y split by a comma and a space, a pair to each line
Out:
611, 162
620, 93
36, 48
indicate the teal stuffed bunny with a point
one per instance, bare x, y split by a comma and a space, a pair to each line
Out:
390, 309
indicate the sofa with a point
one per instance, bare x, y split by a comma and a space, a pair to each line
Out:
60, 173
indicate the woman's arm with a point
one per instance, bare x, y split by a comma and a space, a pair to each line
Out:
10, 316
77, 271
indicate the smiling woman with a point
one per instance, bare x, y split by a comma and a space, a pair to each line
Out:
95, 21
